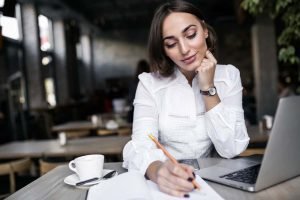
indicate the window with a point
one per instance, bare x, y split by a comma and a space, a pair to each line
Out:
50, 93
1, 3
45, 27
10, 27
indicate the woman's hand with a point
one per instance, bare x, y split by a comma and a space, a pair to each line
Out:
173, 179
206, 71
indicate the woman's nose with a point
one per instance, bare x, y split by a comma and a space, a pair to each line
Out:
184, 48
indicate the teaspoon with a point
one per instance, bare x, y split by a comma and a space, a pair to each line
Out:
106, 176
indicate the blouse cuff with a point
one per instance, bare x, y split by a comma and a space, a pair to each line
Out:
140, 159
150, 158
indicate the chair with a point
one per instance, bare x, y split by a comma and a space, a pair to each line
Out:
12, 167
46, 166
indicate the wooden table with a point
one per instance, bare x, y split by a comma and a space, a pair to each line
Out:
253, 131
21, 149
102, 145
75, 147
75, 126
51, 186
89, 126
105, 145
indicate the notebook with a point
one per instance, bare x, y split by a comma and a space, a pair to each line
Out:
133, 185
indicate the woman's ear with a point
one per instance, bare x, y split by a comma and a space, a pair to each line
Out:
205, 29
206, 33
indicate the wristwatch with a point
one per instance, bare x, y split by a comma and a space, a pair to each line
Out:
210, 92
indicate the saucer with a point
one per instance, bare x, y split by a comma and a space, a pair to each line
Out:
73, 179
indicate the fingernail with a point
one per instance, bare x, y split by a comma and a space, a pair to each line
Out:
194, 175
190, 179
186, 196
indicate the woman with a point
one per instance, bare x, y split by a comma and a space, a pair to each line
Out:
188, 102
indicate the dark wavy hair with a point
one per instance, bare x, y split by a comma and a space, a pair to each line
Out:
142, 66
157, 57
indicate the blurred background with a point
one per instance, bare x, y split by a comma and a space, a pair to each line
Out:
64, 60
69, 67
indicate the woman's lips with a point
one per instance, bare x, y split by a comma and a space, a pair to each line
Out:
189, 60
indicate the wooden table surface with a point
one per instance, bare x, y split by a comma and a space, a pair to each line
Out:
104, 145
82, 126
89, 145
75, 126
254, 133
74, 147
51, 186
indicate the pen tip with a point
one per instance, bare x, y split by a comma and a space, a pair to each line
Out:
150, 136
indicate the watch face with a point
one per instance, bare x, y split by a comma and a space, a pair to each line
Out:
212, 91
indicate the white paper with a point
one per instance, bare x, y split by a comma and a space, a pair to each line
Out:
130, 185
205, 192
133, 185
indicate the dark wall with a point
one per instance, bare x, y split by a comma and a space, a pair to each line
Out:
116, 54
234, 47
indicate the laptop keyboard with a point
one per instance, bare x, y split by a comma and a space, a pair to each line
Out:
247, 175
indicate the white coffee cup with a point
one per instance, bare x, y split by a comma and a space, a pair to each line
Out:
88, 166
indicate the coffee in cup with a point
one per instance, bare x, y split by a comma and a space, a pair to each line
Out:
88, 166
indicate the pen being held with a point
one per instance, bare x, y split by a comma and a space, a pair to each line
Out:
196, 185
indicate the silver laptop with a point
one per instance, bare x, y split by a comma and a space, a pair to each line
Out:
281, 160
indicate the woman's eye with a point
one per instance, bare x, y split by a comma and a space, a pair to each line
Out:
191, 36
170, 45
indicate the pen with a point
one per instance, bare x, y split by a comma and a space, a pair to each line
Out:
196, 185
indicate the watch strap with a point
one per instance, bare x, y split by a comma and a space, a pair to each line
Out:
210, 92
204, 92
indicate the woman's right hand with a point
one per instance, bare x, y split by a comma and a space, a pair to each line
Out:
173, 179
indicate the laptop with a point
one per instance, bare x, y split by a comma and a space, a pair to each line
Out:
281, 160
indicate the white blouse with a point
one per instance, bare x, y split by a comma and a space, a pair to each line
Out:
174, 112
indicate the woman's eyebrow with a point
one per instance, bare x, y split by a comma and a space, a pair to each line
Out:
183, 31
187, 28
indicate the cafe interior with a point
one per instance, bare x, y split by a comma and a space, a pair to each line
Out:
68, 73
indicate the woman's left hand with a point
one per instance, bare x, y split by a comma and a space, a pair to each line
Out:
206, 71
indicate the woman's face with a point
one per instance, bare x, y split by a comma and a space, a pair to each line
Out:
184, 40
